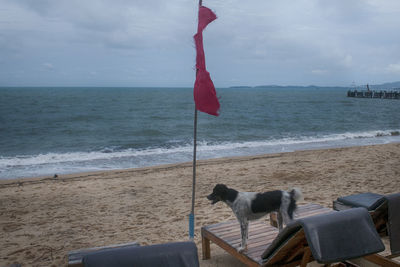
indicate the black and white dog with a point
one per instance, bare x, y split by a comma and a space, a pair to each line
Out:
249, 206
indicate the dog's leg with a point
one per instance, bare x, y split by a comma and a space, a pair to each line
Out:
285, 204
280, 226
285, 216
244, 226
247, 231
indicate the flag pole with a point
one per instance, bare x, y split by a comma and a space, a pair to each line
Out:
191, 216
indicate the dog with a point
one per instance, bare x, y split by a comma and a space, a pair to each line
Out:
248, 206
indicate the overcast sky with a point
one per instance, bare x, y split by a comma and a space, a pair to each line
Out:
150, 42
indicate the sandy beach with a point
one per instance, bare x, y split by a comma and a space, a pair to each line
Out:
42, 219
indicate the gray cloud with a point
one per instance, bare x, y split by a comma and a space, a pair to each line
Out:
149, 43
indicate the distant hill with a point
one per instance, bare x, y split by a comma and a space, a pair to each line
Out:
241, 87
295, 86
386, 86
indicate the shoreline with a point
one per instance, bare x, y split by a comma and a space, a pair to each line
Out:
35, 179
161, 167
47, 164
42, 218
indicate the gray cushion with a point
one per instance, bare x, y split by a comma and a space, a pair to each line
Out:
171, 254
335, 236
342, 235
370, 201
394, 221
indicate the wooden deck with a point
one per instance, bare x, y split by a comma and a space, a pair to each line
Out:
261, 234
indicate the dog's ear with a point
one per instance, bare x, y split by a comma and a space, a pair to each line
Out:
221, 187
221, 190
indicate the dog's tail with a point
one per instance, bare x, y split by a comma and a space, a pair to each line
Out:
295, 195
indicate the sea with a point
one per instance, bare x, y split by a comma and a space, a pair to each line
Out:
62, 130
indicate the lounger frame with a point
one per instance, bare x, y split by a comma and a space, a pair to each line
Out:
261, 234
295, 252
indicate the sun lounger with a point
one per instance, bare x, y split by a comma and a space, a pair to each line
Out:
384, 210
75, 256
320, 234
182, 254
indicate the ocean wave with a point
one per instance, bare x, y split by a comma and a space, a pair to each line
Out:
301, 140
211, 149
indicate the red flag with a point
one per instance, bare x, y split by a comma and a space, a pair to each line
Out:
204, 93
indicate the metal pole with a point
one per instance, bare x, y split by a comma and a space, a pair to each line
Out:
191, 216
194, 157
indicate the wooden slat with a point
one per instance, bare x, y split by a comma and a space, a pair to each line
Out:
234, 225
313, 213
261, 237
236, 228
258, 249
231, 250
309, 206
236, 231
252, 234
303, 211
382, 261
221, 225
286, 250
253, 238
254, 243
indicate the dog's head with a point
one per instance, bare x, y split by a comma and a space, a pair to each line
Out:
218, 194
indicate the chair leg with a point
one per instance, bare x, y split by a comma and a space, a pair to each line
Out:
205, 243
382, 261
306, 257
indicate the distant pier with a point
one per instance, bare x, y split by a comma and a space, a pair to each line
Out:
384, 94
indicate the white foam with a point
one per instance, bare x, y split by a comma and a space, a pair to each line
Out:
296, 140
41, 164
202, 146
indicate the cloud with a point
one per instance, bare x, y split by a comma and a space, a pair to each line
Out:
48, 66
394, 68
347, 60
319, 72
119, 24
256, 42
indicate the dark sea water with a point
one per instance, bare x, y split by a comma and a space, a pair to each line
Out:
44, 131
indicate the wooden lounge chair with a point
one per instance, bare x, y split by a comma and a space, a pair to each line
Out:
384, 211
300, 243
181, 254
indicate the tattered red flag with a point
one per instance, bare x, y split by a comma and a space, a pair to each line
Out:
205, 96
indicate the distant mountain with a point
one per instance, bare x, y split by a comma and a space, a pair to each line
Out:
241, 87
294, 86
386, 86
